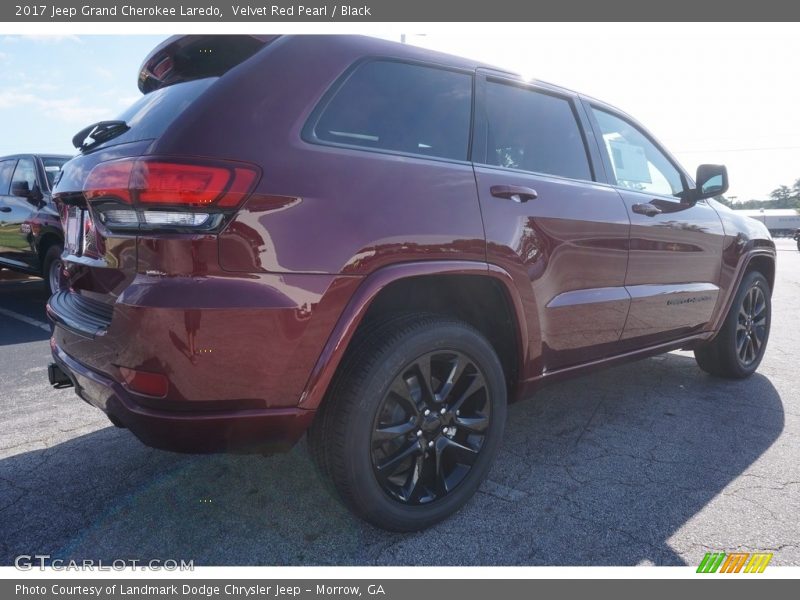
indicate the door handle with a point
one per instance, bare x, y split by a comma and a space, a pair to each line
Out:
5, 209
514, 192
646, 209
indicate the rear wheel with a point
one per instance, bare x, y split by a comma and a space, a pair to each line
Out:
51, 268
739, 347
413, 423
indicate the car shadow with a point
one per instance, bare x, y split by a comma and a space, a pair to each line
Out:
603, 469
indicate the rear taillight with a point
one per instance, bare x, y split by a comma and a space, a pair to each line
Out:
155, 193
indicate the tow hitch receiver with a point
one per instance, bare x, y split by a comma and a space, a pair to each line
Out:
57, 377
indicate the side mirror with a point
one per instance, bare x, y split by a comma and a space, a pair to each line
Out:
21, 189
711, 180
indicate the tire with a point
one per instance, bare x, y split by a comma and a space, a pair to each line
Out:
388, 461
51, 268
738, 348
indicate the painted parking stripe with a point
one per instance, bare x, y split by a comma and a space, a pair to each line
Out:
24, 319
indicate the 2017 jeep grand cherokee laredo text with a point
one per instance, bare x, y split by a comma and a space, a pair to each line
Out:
381, 246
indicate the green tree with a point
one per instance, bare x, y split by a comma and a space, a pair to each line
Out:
782, 197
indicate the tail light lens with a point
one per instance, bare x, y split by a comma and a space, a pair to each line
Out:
154, 193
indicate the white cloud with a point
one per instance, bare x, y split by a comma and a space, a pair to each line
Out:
67, 109
45, 39
40, 86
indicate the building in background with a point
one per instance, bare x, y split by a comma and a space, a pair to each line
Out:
779, 221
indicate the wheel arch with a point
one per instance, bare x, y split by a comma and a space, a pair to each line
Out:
760, 258
765, 264
380, 290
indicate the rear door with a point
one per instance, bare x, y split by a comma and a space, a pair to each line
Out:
550, 222
676, 247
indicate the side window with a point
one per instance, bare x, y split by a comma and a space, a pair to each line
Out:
25, 171
533, 131
6, 168
401, 107
637, 162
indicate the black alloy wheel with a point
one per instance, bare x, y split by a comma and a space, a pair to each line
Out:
430, 427
413, 421
751, 327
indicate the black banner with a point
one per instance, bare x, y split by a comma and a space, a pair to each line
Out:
256, 11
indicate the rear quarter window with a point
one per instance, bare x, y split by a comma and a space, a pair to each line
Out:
399, 107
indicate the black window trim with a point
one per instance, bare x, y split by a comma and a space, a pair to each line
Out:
591, 106
486, 76
308, 132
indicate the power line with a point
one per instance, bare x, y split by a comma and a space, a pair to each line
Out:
739, 149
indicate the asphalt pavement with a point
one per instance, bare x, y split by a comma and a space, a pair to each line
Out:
653, 462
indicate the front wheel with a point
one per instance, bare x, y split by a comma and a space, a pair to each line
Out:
413, 422
739, 347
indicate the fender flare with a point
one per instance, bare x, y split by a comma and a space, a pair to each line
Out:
744, 262
332, 353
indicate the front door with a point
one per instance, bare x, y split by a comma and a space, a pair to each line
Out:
15, 219
675, 246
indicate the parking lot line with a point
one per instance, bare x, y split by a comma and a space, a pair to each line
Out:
24, 319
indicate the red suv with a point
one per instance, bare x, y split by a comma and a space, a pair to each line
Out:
381, 246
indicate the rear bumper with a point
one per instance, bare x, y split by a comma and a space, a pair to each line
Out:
246, 430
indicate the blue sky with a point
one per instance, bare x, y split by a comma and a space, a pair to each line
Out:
52, 86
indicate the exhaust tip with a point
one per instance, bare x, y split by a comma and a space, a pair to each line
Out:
57, 377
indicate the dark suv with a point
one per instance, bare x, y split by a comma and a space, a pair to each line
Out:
381, 246
31, 239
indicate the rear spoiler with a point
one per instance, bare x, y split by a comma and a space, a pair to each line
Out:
186, 57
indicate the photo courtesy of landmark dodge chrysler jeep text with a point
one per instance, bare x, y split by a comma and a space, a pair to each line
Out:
380, 246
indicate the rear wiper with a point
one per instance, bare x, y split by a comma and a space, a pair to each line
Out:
98, 132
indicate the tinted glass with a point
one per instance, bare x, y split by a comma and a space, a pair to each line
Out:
52, 165
638, 163
25, 171
6, 168
401, 107
151, 114
533, 131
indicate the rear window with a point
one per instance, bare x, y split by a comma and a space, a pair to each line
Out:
401, 107
151, 114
